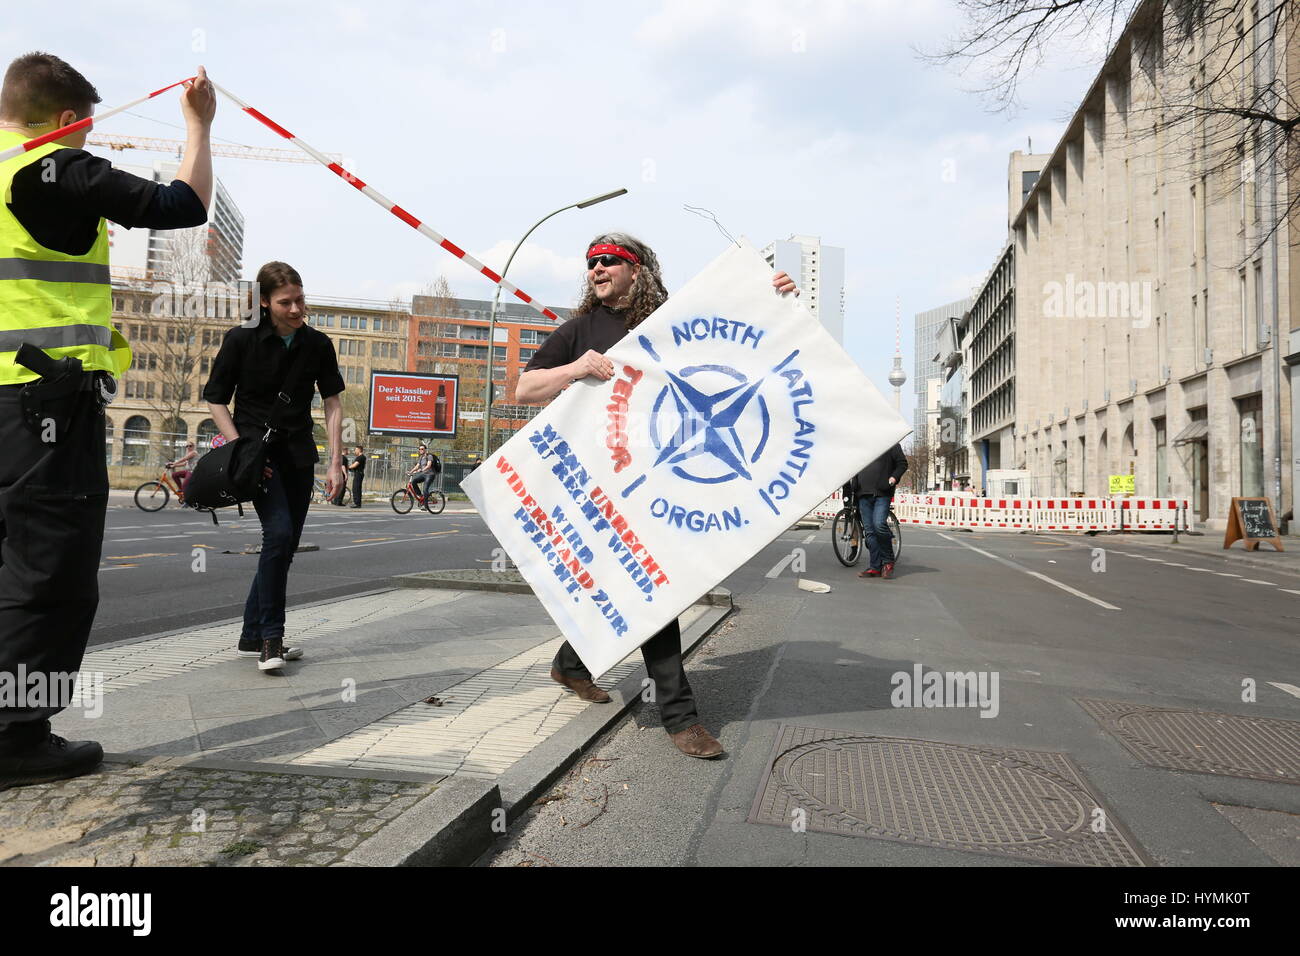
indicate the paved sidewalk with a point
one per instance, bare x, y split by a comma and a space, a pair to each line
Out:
1209, 547
212, 762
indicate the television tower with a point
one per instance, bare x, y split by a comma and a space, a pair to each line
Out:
896, 375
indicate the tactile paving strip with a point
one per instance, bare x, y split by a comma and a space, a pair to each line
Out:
485, 724
1260, 748
156, 658
1013, 803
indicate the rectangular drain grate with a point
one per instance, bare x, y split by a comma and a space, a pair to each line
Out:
1232, 745
1024, 804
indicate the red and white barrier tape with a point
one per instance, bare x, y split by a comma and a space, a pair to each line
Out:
387, 203
63, 131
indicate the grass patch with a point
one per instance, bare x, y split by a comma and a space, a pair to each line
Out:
241, 848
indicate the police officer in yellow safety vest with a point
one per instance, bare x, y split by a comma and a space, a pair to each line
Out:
59, 359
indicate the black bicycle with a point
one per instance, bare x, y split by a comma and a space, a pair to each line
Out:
848, 537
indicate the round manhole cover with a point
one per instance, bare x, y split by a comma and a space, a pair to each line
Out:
927, 791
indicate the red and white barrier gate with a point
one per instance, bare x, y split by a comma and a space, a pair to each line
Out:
942, 510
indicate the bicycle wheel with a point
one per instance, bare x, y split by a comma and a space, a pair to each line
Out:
895, 530
152, 496
846, 538
435, 502
402, 501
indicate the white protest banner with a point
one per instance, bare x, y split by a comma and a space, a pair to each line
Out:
732, 413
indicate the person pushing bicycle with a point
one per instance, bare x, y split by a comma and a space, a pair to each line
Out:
873, 490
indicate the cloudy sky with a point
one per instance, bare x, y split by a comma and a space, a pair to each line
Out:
481, 117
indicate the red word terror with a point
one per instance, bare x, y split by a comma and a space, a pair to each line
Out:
616, 437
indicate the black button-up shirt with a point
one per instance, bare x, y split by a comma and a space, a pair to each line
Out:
252, 367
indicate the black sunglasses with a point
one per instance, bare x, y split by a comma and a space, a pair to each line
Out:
606, 260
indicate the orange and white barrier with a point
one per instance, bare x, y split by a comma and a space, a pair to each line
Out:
946, 510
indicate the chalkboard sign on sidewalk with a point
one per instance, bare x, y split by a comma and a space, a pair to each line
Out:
1250, 520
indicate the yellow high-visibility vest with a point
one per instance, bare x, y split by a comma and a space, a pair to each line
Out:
59, 303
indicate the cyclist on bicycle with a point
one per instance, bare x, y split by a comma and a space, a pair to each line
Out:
873, 488
426, 468
181, 474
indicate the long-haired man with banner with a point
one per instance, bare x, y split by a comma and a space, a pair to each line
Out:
59, 359
623, 287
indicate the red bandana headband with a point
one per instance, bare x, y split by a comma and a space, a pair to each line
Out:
608, 249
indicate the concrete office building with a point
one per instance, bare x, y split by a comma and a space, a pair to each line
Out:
451, 336
819, 270
928, 375
148, 253
1152, 313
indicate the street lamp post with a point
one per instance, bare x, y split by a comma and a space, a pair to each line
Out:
496, 299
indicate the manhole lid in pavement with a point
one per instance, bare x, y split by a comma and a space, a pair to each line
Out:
1013, 803
1260, 748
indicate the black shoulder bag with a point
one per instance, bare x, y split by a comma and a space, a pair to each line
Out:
235, 472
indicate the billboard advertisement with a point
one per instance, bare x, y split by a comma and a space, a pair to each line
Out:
413, 403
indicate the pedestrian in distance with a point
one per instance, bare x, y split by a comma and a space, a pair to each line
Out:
873, 488
281, 356
622, 287
357, 474
60, 357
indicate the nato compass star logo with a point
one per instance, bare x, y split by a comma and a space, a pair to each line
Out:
710, 424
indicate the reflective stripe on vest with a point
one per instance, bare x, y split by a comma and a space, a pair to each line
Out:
56, 337
47, 270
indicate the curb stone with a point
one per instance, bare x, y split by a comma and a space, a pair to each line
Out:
450, 827
531, 775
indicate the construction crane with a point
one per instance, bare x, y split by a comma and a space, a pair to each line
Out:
229, 150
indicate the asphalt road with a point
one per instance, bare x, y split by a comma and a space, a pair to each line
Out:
149, 584
1057, 619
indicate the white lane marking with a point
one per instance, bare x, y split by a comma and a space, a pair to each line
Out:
1174, 564
811, 538
1033, 574
1227, 574
1289, 591
1254, 581
117, 540
1291, 689
779, 566
1204, 570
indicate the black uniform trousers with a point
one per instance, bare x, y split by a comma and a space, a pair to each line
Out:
53, 497
663, 662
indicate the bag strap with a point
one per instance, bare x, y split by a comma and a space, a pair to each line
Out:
280, 410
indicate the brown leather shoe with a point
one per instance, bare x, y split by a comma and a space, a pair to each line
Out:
585, 689
695, 741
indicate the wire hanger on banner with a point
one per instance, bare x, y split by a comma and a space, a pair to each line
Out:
706, 214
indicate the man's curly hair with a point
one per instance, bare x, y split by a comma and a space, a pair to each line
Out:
647, 292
